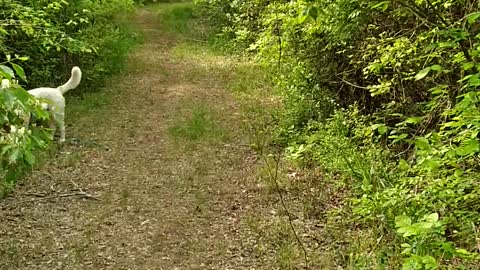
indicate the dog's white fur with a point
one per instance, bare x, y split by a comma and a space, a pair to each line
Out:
56, 101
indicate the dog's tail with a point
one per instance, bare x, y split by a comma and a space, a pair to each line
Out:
73, 82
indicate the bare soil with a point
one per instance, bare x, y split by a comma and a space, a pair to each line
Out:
124, 194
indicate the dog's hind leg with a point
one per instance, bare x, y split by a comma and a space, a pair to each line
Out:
62, 130
59, 120
53, 126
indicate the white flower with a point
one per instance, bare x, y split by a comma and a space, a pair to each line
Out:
13, 129
5, 84
17, 112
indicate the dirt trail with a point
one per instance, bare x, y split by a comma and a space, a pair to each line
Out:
156, 204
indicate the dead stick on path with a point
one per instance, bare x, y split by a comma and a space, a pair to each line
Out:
80, 193
84, 194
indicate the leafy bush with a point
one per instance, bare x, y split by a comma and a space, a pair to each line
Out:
17, 143
384, 93
57, 35
49, 37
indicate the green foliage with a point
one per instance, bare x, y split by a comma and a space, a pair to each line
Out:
384, 94
48, 38
17, 143
59, 34
177, 18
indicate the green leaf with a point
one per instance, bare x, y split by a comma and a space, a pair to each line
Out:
429, 262
468, 65
474, 80
302, 19
6, 72
383, 6
422, 227
29, 158
20, 72
398, 138
436, 68
472, 17
424, 72
472, 146
403, 165
432, 164
462, 251
432, 218
450, 44
408, 231
12, 175
15, 155
422, 143
382, 129
413, 120
402, 221
313, 12
23, 58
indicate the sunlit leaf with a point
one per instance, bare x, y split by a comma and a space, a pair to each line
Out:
6, 72
424, 72
19, 70
402, 221
382, 6
472, 146
431, 218
473, 17
422, 143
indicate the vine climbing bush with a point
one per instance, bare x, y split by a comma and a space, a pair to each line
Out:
384, 93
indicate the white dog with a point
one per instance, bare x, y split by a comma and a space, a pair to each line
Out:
56, 101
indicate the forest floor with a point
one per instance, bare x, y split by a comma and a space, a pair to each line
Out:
157, 173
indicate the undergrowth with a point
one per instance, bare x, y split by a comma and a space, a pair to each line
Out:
381, 97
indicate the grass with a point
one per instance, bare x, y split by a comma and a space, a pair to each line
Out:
198, 125
175, 18
88, 102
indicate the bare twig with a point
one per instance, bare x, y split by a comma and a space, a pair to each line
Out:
351, 84
84, 194
273, 173
194, 40
80, 193
41, 195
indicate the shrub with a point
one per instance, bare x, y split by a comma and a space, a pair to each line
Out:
49, 37
384, 93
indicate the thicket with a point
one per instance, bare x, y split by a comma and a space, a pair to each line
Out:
383, 96
40, 41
